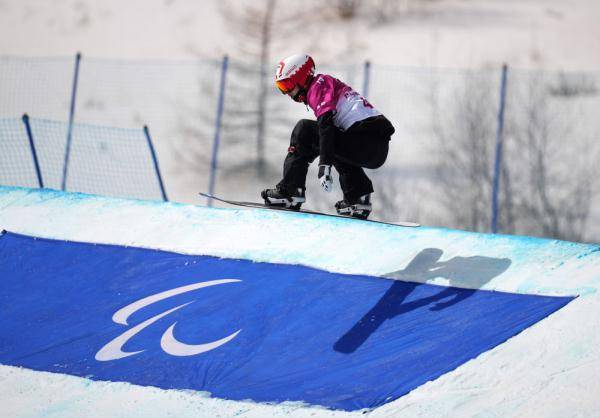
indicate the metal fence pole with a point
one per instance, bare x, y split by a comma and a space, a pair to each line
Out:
33, 151
498, 160
155, 161
366, 79
215, 150
71, 120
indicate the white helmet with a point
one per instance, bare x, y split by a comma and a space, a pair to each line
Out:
296, 70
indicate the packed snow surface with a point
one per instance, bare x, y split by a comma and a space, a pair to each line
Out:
550, 369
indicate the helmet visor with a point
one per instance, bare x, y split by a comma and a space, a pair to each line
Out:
285, 86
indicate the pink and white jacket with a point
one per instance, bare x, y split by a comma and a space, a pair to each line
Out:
327, 93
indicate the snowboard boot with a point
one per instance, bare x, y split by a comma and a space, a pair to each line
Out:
357, 208
283, 198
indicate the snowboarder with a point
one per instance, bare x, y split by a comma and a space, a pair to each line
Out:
349, 134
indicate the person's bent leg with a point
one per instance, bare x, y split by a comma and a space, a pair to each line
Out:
357, 190
366, 143
290, 191
353, 181
364, 152
303, 149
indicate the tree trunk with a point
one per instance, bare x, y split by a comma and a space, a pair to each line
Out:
262, 95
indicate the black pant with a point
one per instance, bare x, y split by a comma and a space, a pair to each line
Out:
364, 144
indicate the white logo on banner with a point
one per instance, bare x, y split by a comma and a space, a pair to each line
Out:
114, 349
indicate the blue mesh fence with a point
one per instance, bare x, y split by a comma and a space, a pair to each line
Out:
443, 147
550, 184
103, 160
176, 99
38, 86
440, 167
50, 141
17, 166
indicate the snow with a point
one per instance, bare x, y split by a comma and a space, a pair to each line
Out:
149, 74
550, 369
551, 34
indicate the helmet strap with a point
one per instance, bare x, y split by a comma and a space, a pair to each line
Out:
300, 97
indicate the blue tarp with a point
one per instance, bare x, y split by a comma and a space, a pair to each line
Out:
241, 329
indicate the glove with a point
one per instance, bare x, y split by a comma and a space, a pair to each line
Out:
325, 178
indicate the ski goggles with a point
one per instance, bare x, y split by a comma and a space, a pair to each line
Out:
285, 86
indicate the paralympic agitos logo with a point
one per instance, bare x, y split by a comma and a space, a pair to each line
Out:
114, 349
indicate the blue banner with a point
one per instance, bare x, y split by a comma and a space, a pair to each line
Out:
241, 329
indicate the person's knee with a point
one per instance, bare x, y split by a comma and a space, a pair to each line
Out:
373, 165
379, 156
304, 130
377, 161
304, 136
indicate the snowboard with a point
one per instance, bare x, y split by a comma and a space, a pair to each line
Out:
310, 212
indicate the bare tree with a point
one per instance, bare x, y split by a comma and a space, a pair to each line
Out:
463, 128
548, 172
346, 9
554, 163
195, 123
385, 11
255, 22
259, 26
250, 115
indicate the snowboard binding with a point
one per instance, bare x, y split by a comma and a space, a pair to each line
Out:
356, 208
281, 198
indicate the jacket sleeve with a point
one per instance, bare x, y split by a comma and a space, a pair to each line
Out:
327, 133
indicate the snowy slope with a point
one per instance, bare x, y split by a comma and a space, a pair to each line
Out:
549, 369
549, 34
